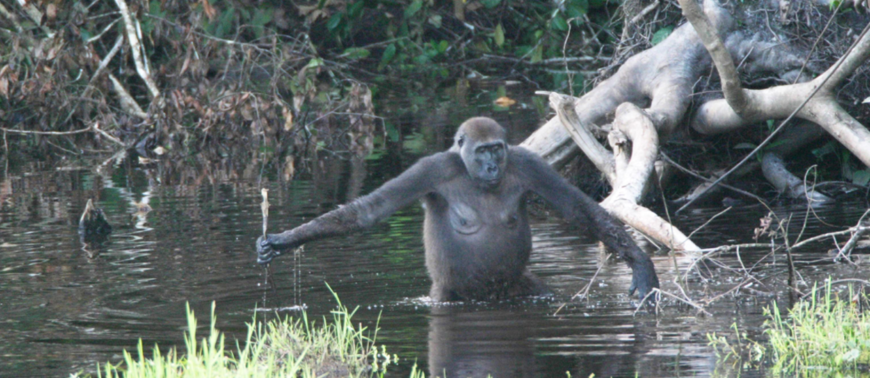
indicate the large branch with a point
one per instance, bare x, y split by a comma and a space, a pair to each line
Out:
628, 171
662, 76
776, 173
637, 127
721, 57
814, 101
582, 136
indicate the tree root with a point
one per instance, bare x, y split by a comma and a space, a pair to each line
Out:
628, 171
786, 183
662, 79
814, 101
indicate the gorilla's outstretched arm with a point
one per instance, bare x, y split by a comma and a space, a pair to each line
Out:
418, 180
577, 207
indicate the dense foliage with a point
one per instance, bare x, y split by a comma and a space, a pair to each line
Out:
229, 70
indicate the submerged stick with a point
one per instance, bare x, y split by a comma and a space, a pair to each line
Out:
264, 206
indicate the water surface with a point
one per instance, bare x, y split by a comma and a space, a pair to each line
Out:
65, 307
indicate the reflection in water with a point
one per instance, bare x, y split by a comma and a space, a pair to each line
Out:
464, 342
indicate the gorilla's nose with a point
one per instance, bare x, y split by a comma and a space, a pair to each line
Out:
492, 168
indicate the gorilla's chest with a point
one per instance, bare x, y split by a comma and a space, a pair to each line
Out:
469, 210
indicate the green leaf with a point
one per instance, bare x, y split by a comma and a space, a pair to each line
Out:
744, 146
489, 4
559, 23
538, 55
388, 55
155, 9
442, 46
827, 149
413, 8
334, 21
392, 131
314, 62
661, 34
356, 53
225, 22
499, 35
355, 9
576, 8
861, 177
262, 17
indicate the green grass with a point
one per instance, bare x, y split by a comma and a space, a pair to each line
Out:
824, 333
289, 347
821, 336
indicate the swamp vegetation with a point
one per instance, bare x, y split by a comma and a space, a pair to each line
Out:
689, 121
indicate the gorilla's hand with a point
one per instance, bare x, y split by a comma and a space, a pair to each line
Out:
643, 280
270, 247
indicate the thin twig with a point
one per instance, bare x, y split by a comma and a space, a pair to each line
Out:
643, 13
686, 301
709, 220
108, 136
698, 176
584, 292
46, 132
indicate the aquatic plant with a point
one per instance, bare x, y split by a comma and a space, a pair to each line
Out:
821, 336
288, 347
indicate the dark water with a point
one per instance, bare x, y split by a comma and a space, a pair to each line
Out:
62, 311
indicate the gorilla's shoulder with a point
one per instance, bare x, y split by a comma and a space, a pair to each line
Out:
523, 158
444, 163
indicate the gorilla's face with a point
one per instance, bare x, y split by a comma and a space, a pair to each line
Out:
481, 143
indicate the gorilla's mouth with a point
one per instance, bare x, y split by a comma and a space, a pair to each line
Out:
491, 183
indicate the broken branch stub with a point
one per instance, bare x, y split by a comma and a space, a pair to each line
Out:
582, 136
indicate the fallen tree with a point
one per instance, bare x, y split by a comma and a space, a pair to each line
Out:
662, 81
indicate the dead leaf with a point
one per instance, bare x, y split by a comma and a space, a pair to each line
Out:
289, 168
209, 10
142, 207
4, 87
866, 101
288, 119
505, 101
51, 11
159, 150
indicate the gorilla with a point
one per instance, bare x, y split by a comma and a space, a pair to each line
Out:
476, 230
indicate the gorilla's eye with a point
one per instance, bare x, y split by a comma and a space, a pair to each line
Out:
460, 141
